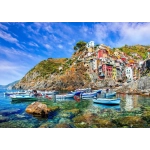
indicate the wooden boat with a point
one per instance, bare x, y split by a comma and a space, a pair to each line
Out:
23, 97
108, 101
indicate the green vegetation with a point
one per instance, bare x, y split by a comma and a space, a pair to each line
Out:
81, 45
47, 67
139, 49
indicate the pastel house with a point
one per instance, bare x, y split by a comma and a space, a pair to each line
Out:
129, 73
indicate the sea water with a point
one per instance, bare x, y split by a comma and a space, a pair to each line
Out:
13, 115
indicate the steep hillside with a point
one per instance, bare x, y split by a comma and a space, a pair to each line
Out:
58, 74
139, 49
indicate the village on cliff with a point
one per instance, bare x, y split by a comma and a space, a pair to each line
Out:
105, 64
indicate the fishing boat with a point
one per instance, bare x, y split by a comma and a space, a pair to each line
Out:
109, 94
12, 93
90, 94
63, 96
108, 101
23, 97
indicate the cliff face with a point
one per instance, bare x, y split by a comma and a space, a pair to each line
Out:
58, 74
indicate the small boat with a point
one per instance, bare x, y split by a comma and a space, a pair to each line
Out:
91, 94
12, 93
23, 97
109, 94
108, 101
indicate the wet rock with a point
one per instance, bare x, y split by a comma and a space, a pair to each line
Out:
64, 120
145, 94
69, 113
86, 118
103, 123
38, 109
53, 108
146, 116
3, 119
17, 124
82, 125
130, 122
47, 125
63, 125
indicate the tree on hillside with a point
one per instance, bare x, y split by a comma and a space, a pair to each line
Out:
80, 45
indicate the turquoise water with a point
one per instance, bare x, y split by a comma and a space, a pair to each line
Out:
13, 115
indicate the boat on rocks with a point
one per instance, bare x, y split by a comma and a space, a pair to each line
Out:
107, 101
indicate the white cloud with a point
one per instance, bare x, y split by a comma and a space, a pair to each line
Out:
33, 44
3, 27
11, 71
15, 54
60, 46
47, 46
7, 37
48, 28
124, 33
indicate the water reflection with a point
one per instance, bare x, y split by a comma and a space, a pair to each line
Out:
129, 101
102, 106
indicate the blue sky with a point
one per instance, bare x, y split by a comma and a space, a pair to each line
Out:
23, 45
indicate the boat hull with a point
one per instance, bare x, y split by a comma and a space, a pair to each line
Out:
23, 98
110, 94
107, 101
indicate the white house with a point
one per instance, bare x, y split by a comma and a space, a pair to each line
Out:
94, 67
129, 73
90, 44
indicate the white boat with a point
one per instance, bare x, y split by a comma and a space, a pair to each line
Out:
108, 101
110, 94
23, 97
91, 94
12, 93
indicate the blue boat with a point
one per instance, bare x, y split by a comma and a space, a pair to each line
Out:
91, 94
107, 101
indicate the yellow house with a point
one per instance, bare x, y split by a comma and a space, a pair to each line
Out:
114, 73
90, 49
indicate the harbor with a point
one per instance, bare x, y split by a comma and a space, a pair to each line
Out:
132, 111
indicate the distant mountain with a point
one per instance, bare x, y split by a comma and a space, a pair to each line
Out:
8, 86
2, 86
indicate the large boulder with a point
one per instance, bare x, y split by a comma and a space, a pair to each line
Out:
38, 108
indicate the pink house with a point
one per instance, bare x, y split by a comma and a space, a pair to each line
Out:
102, 53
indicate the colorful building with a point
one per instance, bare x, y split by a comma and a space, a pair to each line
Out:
102, 53
129, 73
114, 73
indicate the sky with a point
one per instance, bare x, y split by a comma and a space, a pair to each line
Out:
24, 44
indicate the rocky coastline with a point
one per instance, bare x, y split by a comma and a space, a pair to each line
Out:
138, 87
